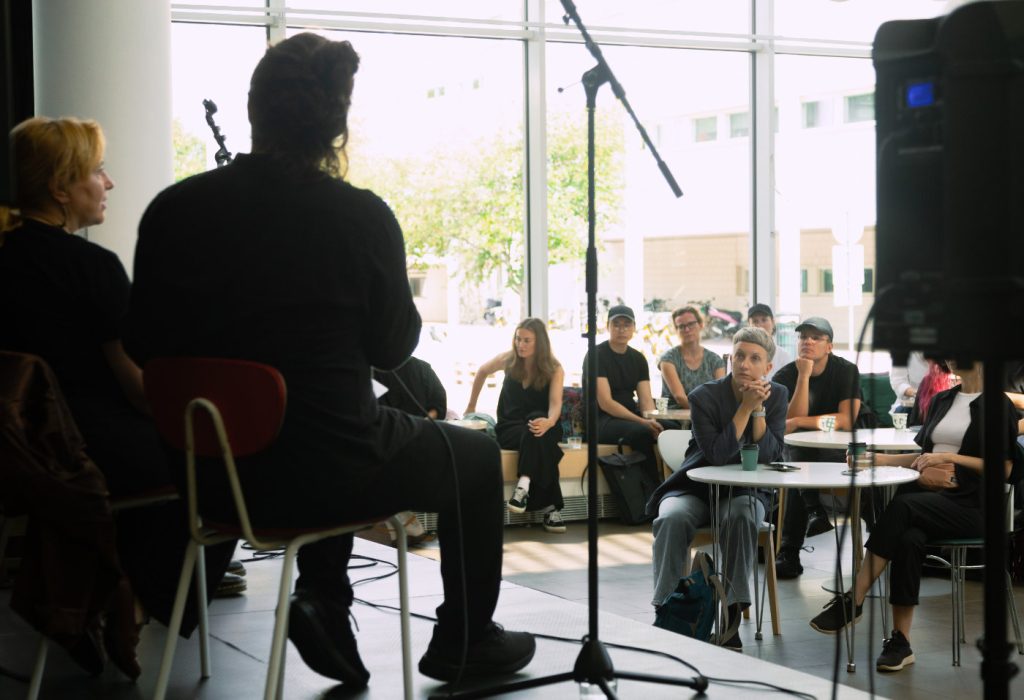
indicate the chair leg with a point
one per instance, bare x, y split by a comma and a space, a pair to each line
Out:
403, 604
177, 612
275, 667
1011, 605
769, 574
37, 670
954, 581
204, 618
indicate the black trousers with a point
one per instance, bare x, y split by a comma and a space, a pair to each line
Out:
913, 518
466, 492
637, 435
538, 459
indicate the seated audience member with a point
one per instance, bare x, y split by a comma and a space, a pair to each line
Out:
739, 409
318, 288
945, 502
937, 379
72, 296
761, 316
905, 381
624, 390
686, 366
1015, 391
529, 407
820, 384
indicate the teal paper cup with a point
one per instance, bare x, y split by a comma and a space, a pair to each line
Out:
748, 457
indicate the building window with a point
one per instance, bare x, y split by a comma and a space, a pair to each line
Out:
816, 114
803, 281
739, 125
860, 108
826, 281
869, 281
416, 283
705, 129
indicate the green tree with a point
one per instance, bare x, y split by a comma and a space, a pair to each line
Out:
470, 203
189, 152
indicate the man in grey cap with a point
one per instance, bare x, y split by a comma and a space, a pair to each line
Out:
624, 389
761, 316
821, 385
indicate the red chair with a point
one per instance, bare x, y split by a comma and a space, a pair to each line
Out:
234, 408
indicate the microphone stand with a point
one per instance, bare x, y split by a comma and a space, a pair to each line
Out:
593, 665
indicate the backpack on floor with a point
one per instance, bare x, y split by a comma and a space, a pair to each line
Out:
631, 484
690, 610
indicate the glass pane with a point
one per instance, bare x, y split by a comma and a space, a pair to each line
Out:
732, 16
440, 138
467, 9
739, 125
825, 190
655, 252
857, 20
214, 62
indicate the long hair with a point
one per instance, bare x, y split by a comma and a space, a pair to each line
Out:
938, 379
299, 98
49, 154
544, 364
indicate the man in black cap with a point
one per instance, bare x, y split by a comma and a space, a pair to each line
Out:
624, 389
821, 385
761, 316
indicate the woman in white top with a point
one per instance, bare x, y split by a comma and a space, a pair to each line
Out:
905, 380
945, 502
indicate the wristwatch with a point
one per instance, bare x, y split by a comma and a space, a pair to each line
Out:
759, 414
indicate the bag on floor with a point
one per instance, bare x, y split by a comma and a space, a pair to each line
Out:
691, 609
631, 484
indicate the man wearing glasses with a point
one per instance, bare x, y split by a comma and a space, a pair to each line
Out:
624, 389
823, 388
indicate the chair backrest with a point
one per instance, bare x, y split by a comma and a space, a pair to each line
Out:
672, 445
250, 397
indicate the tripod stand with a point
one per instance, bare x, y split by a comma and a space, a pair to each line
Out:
593, 665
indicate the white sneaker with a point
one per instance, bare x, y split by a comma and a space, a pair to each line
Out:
517, 504
553, 522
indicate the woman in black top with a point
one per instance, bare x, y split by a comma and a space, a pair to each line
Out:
72, 296
944, 502
529, 408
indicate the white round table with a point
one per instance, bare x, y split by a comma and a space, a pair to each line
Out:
878, 440
810, 475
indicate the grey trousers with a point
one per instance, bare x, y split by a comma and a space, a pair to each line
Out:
678, 519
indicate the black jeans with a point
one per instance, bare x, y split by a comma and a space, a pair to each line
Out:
468, 498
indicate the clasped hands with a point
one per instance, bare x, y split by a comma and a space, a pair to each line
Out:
754, 394
539, 426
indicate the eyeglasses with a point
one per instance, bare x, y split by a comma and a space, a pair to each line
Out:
687, 326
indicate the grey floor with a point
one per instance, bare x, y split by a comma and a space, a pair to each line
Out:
545, 591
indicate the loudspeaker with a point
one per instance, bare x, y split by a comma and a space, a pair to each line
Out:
949, 110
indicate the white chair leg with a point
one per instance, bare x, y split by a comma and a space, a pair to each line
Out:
37, 670
403, 603
275, 667
1011, 605
203, 612
177, 612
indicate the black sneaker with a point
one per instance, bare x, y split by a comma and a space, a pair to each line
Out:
236, 567
497, 652
818, 522
787, 564
896, 653
320, 630
838, 613
734, 643
553, 522
517, 504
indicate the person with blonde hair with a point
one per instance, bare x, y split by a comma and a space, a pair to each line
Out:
529, 407
72, 296
686, 366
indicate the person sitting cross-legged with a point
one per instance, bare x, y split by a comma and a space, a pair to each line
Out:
739, 409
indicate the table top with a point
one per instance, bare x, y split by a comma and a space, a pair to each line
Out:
670, 414
824, 475
877, 439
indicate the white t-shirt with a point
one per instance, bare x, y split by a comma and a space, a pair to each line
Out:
949, 433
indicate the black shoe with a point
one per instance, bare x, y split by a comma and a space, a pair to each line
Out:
517, 504
497, 652
896, 653
734, 643
838, 613
818, 522
236, 567
230, 586
787, 564
320, 630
